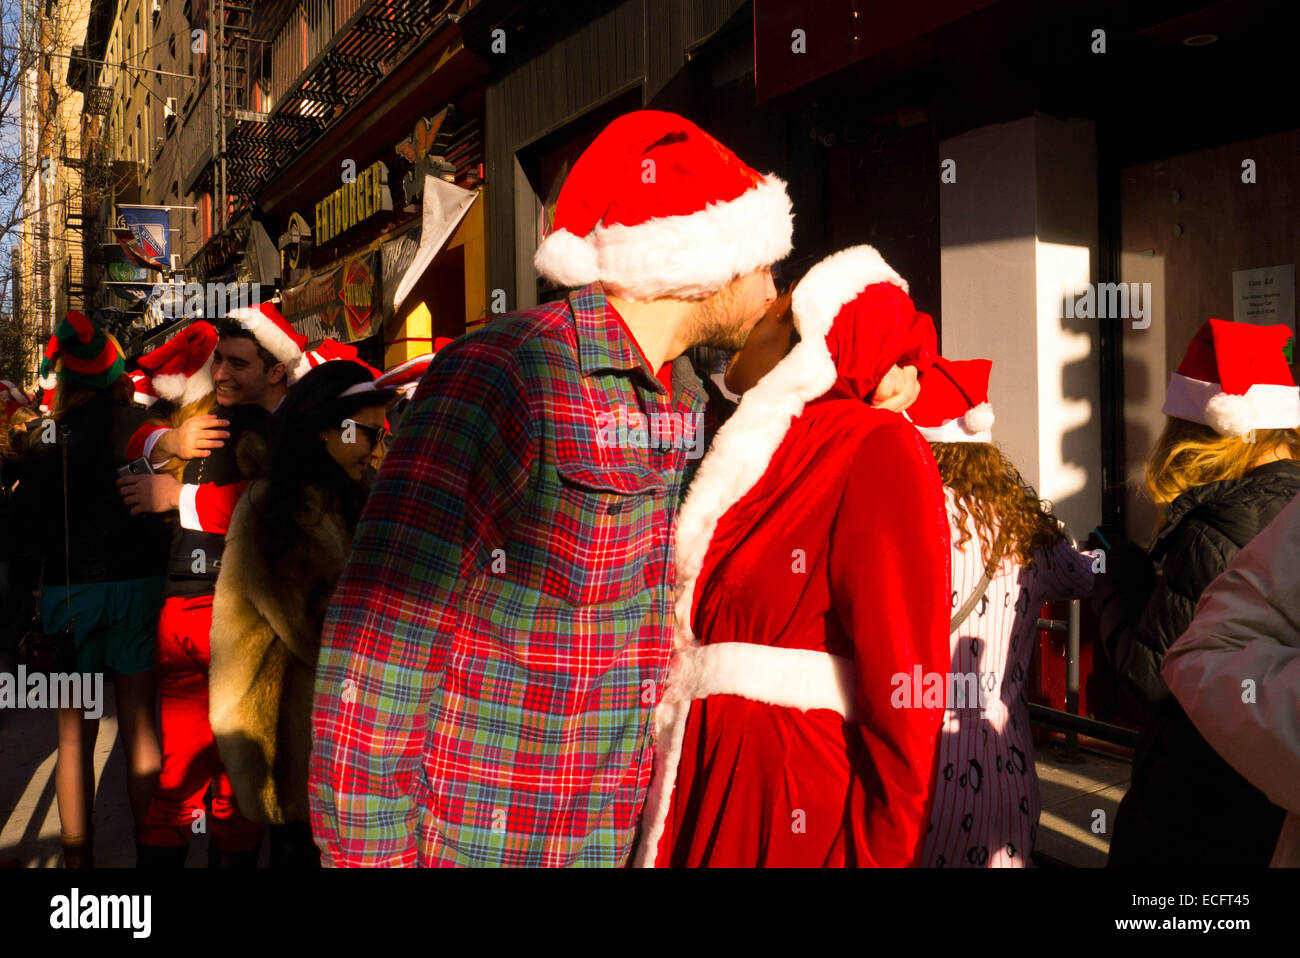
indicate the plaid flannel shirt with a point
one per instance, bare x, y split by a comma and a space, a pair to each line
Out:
494, 651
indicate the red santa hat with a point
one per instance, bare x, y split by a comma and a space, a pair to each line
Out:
1234, 378
954, 402
180, 370
273, 333
143, 391
329, 350
14, 397
406, 376
656, 208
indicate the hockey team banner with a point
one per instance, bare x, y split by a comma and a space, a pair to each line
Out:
144, 232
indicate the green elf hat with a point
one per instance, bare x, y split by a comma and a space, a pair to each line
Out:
90, 359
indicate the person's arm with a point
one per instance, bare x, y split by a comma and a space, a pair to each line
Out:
1064, 573
451, 486
1236, 670
889, 566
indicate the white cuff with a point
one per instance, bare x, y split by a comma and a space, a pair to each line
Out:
188, 507
152, 440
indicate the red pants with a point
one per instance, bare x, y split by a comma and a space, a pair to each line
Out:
190, 762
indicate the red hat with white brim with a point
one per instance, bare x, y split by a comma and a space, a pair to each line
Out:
14, 397
1235, 378
143, 392
180, 370
954, 402
406, 376
274, 334
329, 350
656, 208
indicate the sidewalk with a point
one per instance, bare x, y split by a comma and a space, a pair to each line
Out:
29, 815
1071, 794
1070, 830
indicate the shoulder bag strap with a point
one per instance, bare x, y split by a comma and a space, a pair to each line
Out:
981, 588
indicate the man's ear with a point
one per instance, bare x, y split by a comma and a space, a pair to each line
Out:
276, 373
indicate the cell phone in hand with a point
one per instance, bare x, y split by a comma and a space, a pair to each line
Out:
138, 467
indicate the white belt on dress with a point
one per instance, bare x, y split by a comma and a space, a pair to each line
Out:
794, 678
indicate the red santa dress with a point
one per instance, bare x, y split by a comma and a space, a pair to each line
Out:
813, 554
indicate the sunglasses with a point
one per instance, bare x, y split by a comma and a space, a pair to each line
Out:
376, 434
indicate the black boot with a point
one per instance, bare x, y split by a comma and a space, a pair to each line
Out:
160, 856
217, 858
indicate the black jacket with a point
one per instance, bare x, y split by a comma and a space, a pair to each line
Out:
105, 542
1185, 805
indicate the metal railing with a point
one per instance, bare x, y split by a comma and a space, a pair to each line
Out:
1070, 721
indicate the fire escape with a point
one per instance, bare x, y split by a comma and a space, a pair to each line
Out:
274, 98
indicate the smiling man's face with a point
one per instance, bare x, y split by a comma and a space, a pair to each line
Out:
240, 374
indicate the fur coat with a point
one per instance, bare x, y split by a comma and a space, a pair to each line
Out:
266, 628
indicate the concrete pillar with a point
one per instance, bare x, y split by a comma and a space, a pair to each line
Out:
1018, 231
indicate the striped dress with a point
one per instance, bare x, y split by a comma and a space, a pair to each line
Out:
986, 803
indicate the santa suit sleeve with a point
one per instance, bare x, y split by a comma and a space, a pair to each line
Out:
143, 440
889, 558
207, 507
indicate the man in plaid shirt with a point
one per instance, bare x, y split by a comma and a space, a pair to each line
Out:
494, 652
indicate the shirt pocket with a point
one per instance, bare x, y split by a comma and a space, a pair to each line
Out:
604, 536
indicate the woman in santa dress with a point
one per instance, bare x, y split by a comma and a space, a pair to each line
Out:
812, 571
986, 799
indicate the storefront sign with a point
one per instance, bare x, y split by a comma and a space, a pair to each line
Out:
353, 202
359, 295
340, 304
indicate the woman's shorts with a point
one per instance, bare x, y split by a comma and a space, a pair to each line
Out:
115, 624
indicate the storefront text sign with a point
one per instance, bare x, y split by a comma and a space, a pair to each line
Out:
339, 304
353, 202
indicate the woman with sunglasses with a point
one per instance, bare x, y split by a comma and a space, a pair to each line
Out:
288, 541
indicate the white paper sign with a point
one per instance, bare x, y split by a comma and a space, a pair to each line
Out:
1264, 296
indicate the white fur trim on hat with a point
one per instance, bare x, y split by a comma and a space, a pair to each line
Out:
200, 384
567, 259
171, 386
736, 461
677, 257
273, 339
835, 282
48, 382
979, 418
301, 368
1261, 407
954, 430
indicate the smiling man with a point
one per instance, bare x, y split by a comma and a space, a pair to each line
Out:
256, 357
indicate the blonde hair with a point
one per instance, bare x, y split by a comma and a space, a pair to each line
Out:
204, 404
1189, 454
